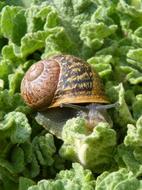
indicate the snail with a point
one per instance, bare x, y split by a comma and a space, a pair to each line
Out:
64, 85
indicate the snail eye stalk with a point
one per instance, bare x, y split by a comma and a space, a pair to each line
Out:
74, 106
90, 106
102, 107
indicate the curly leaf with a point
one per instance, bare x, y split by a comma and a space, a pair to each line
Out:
13, 23
134, 134
102, 64
24, 183
118, 180
122, 114
76, 178
44, 149
136, 106
80, 145
93, 34
19, 128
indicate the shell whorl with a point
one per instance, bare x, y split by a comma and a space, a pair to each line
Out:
39, 84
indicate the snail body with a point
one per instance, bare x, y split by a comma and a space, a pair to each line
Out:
61, 79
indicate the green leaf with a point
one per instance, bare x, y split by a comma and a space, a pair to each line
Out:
32, 42
134, 134
30, 15
52, 20
24, 3
130, 16
76, 178
24, 183
13, 23
41, 17
9, 103
1, 84
32, 169
5, 70
8, 13
57, 43
35, 41
18, 125
137, 105
8, 184
127, 158
134, 57
19, 28
94, 149
93, 34
129, 154
12, 52
122, 114
118, 180
44, 149
15, 81
102, 64
17, 159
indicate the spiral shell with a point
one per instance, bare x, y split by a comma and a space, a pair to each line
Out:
61, 79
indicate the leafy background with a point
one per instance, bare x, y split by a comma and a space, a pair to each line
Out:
107, 34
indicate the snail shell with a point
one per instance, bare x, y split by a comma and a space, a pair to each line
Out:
61, 79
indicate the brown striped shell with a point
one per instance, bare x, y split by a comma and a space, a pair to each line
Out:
61, 79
